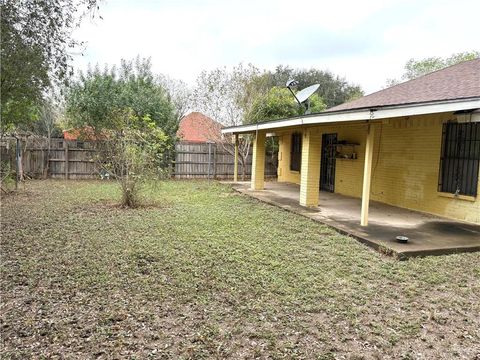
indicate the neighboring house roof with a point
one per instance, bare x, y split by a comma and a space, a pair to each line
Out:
460, 81
85, 133
197, 127
456, 88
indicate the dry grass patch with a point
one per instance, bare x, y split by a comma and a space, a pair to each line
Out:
212, 274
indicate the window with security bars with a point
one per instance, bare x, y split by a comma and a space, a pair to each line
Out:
460, 158
296, 152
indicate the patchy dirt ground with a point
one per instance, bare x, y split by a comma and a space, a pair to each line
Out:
207, 273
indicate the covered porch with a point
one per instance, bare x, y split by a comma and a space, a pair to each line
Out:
404, 162
310, 149
428, 234
364, 165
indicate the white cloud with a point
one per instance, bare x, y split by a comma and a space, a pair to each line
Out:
365, 41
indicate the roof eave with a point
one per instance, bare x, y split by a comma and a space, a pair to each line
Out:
350, 115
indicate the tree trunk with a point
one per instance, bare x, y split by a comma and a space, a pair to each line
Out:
244, 168
19, 160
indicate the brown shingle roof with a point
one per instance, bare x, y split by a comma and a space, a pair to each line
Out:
458, 81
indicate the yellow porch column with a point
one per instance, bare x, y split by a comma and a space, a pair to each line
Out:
367, 174
310, 169
258, 161
235, 165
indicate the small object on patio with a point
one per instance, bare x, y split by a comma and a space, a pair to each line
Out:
402, 239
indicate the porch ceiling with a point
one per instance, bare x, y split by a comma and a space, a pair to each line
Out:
428, 234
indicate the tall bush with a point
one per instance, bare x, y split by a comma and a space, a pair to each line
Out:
132, 154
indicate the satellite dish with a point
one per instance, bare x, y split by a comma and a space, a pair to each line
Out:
304, 94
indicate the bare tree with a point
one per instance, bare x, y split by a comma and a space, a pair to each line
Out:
227, 96
179, 93
49, 115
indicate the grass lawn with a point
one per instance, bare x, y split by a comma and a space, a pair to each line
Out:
206, 273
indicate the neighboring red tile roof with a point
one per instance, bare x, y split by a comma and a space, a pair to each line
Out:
85, 133
197, 127
458, 81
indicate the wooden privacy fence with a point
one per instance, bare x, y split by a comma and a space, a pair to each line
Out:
68, 159
73, 162
65, 159
210, 160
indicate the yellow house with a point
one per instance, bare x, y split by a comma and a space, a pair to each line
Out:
415, 145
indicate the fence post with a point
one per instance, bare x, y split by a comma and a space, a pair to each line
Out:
65, 144
209, 159
214, 160
235, 160
18, 162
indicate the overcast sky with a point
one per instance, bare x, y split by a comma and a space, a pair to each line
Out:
364, 41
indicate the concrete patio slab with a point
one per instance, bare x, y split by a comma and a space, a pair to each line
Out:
428, 234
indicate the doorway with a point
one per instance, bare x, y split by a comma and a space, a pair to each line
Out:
327, 167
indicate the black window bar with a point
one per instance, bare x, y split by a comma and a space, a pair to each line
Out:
296, 152
460, 158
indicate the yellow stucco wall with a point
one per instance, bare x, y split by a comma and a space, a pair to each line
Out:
406, 159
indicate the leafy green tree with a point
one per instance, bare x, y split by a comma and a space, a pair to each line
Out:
96, 94
416, 68
279, 103
142, 91
91, 99
22, 82
132, 154
334, 90
125, 106
36, 36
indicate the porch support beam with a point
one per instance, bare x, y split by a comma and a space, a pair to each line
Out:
258, 161
310, 169
235, 165
367, 174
